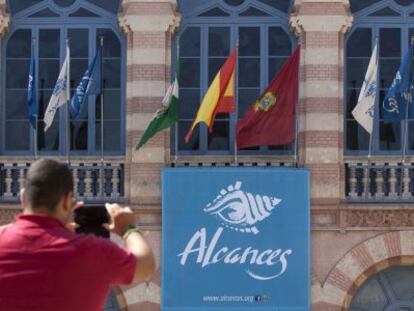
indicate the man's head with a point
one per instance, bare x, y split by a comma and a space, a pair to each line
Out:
48, 189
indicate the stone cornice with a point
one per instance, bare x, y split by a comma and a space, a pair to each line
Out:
4, 18
304, 22
137, 16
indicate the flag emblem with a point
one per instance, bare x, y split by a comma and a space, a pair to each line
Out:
59, 87
266, 102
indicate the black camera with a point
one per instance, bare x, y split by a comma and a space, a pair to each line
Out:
91, 218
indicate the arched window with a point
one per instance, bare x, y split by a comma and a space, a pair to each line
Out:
389, 290
208, 33
49, 23
392, 22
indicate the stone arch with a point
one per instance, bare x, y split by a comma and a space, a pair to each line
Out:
356, 266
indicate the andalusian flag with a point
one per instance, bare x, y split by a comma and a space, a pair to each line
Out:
166, 116
219, 97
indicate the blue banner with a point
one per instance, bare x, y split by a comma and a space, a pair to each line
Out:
31, 91
90, 84
398, 103
235, 239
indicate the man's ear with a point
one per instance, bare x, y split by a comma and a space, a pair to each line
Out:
68, 201
22, 198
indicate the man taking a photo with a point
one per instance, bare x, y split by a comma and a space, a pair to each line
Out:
45, 266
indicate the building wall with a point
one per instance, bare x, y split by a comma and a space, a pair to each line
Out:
349, 242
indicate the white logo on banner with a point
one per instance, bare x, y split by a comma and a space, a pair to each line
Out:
240, 211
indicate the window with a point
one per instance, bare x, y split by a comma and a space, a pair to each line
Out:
390, 289
209, 32
392, 23
47, 24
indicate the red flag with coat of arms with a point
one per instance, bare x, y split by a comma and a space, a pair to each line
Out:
271, 119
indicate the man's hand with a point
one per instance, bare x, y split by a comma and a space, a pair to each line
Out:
121, 218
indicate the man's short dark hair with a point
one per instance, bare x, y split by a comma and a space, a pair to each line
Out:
47, 182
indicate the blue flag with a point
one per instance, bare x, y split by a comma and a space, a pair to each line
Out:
400, 93
31, 91
90, 84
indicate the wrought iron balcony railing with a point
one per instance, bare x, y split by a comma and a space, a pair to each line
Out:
380, 182
93, 182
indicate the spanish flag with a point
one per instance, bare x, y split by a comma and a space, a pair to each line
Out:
219, 97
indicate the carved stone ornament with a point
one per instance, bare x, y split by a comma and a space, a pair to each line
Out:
129, 22
300, 22
4, 19
380, 218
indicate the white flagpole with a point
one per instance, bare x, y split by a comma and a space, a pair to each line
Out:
101, 39
369, 160
69, 100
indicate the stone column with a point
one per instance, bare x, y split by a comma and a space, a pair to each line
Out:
321, 25
4, 25
149, 26
4, 17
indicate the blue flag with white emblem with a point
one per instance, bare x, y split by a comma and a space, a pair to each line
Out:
31, 91
90, 84
400, 93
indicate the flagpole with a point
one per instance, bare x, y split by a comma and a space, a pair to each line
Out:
68, 104
101, 38
405, 132
295, 146
176, 124
35, 100
236, 96
369, 160
296, 143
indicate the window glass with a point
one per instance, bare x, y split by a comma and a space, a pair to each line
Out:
204, 45
358, 51
404, 2
78, 39
219, 50
45, 13
359, 43
390, 58
364, 300
49, 67
189, 86
17, 136
79, 44
390, 289
234, 2
19, 5
17, 132
109, 5
282, 5
111, 89
19, 44
49, 42
64, 3
357, 5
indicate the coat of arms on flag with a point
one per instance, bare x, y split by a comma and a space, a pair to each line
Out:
266, 102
